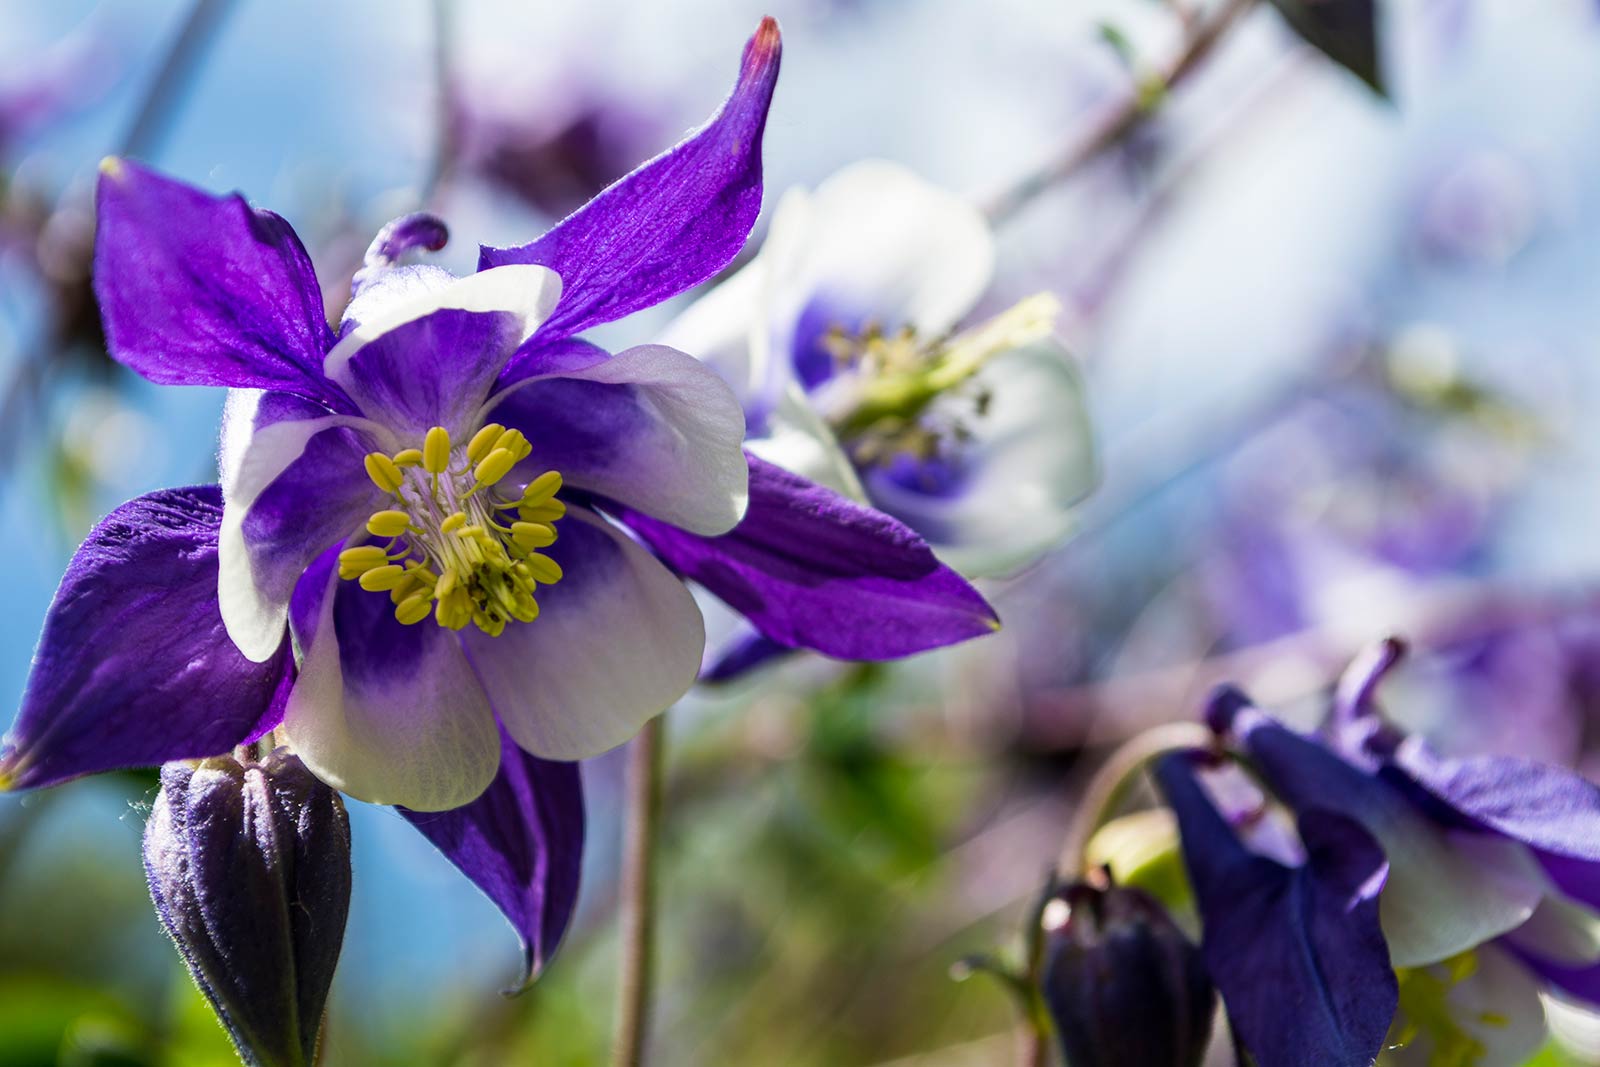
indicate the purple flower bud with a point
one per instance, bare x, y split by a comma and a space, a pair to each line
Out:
249, 867
1123, 984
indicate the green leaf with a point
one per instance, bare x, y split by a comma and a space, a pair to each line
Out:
1346, 31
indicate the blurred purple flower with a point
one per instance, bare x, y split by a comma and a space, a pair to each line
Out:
1489, 870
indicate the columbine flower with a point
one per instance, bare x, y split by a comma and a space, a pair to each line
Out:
841, 340
421, 507
1440, 894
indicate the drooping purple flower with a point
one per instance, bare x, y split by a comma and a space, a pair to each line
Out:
1490, 861
426, 503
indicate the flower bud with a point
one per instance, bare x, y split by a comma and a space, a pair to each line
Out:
1123, 984
249, 867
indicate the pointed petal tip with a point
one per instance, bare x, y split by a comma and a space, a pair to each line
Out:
532, 968
1223, 707
766, 45
112, 167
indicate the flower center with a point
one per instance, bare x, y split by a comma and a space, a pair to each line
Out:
893, 379
452, 550
1426, 1013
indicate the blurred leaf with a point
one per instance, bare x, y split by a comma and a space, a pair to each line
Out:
1346, 31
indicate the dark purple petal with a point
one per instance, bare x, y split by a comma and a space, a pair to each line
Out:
202, 290
521, 842
669, 225
747, 652
1553, 811
134, 667
1296, 952
811, 569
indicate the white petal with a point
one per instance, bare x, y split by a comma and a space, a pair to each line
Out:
526, 290
715, 329
666, 437
253, 610
1030, 459
1496, 1009
390, 714
617, 641
799, 441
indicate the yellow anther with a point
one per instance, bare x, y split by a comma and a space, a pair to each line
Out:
354, 562
549, 511
545, 570
541, 489
447, 584
514, 442
436, 450
414, 608
533, 534
472, 531
408, 457
383, 472
389, 523
483, 441
383, 579
408, 585
494, 466
454, 522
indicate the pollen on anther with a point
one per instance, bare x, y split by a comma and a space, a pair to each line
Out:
483, 441
496, 465
408, 457
389, 523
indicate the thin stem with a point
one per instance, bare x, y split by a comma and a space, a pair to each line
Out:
1111, 782
1122, 120
642, 804
177, 67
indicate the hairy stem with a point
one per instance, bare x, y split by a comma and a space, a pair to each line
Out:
642, 805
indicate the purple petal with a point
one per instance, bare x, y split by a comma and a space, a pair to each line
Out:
1296, 952
672, 223
811, 569
202, 290
390, 714
651, 428
1553, 811
134, 667
521, 842
618, 640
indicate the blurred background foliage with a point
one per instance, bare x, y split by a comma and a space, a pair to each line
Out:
1341, 353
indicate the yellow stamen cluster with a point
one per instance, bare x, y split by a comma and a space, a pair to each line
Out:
1426, 1014
450, 548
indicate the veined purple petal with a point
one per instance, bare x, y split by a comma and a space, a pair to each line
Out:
202, 290
1297, 953
390, 714
651, 428
672, 223
811, 569
1553, 811
521, 842
134, 667
617, 641
293, 481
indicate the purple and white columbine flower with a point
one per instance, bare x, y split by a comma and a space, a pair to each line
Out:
421, 510
1440, 894
840, 338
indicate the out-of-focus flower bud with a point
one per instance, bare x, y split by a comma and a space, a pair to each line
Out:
1124, 986
249, 867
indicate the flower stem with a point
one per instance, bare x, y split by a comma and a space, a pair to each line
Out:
1113, 127
642, 805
